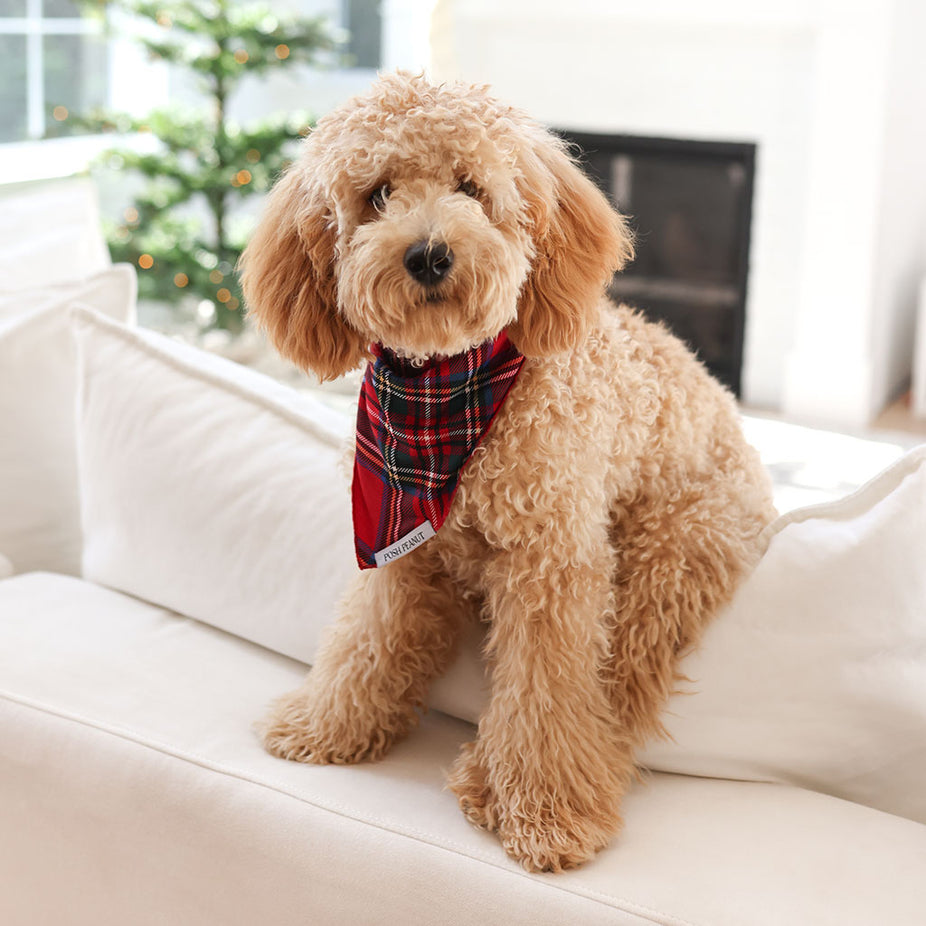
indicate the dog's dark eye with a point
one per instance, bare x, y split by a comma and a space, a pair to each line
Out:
469, 188
379, 196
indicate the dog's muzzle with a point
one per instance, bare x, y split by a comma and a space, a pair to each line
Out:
428, 262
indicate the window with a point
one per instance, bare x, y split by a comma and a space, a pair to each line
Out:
52, 61
364, 23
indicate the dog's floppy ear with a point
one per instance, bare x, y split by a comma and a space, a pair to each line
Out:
580, 241
287, 275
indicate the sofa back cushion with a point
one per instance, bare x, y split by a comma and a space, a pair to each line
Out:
210, 489
39, 509
51, 233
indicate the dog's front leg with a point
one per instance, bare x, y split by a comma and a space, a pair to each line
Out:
550, 764
396, 632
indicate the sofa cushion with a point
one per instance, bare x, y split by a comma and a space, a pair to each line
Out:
210, 489
111, 291
138, 793
816, 673
50, 233
39, 509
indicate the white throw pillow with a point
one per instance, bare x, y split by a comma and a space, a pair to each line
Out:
50, 234
111, 291
816, 673
39, 509
210, 489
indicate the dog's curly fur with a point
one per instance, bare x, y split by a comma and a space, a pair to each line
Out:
607, 515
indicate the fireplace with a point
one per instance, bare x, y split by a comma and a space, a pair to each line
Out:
831, 94
690, 205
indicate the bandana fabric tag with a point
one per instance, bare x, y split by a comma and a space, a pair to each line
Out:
416, 428
405, 544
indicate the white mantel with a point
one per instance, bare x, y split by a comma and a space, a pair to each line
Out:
834, 95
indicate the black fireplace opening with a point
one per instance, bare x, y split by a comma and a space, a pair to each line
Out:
690, 207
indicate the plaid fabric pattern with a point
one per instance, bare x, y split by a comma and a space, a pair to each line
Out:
416, 428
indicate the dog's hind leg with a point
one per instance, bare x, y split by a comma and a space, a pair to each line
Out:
396, 633
679, 560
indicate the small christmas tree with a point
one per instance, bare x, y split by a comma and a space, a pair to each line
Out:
203, 155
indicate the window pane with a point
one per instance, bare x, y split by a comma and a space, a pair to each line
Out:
12, 8
364, 23
12, 87
75, 77
59, 8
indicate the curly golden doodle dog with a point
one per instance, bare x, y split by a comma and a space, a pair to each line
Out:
607, 513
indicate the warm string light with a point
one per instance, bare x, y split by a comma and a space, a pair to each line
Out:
60, 113
210, 282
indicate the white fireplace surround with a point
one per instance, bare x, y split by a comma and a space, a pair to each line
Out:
833, 94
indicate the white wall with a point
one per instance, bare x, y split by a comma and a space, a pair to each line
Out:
406, 34
824, 88
830, 372
901, 233
866, 216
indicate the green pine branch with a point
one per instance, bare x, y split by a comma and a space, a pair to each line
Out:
202, 156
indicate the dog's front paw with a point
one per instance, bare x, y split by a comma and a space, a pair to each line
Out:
543, 827
288, 741
303, 731
468, 780
544, 842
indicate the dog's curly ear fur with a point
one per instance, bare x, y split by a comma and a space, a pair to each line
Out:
287, 275
580, 241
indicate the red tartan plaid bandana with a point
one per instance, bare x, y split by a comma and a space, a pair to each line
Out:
416, 428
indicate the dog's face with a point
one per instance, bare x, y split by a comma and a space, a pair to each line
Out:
431, 237
429, 219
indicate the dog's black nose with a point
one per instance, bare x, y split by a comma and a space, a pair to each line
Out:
428, 262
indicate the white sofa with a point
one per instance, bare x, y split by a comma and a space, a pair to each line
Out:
178, 532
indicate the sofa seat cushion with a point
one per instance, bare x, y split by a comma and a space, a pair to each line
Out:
139, 794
